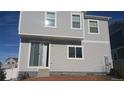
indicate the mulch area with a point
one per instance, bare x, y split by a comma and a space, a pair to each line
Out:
72, 78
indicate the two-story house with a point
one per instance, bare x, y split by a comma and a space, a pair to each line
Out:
63, 42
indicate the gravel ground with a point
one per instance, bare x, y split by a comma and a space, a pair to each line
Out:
75, 78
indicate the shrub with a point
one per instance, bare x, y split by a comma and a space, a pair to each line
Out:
2, 73
114, 72
23, 76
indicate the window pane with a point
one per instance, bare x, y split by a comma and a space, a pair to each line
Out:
78, 52
75, 21
34, 54
93, 30
72, 52
76, 24
50, 22
76, 18
51, 15
93, 23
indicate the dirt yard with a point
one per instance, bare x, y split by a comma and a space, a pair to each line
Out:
75, 78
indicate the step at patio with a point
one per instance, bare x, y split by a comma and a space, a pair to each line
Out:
43, 73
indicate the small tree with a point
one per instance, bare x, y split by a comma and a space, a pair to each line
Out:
2, 73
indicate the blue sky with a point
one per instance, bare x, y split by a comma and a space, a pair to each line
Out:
9, 39
116, 15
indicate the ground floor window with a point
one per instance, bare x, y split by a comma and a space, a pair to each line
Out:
39, 54
75, 52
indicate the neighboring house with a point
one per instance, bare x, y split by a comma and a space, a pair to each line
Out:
10, 67
10, 63
66, 42
117, 45
117, 40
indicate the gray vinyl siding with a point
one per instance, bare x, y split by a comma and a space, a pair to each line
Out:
93, 58
103, 29
32, 22
94, 52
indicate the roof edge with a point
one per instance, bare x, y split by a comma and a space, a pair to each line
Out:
97, 17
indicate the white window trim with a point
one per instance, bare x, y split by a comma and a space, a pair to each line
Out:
19, 55
29, 51
89, 27
20, 19
80, 20
75, 47
55, 19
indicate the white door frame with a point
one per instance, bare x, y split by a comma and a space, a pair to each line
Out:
29, 51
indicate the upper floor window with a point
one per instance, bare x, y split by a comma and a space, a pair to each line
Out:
50, 19
76, 21
93, 26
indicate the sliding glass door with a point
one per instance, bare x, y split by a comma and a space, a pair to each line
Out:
39, 54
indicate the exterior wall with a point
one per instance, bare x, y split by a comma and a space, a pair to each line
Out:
96, 46
25, 53
93, 58
103, 29
32, 23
